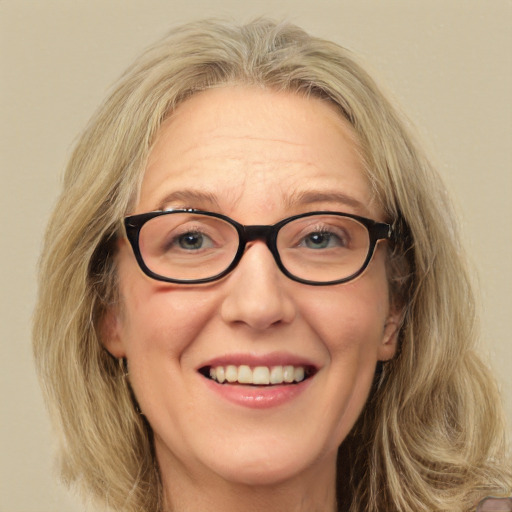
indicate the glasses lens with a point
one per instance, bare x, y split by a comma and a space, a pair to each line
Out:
323, 248
187, 246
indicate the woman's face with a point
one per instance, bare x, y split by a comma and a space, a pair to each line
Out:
257, 156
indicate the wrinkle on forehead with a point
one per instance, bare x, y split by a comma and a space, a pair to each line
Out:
254, 148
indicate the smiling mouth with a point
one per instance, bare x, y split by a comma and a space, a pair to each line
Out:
259, 375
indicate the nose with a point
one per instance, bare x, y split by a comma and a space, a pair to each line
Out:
256, 296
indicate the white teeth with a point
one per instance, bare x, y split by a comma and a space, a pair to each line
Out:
260, 375
276, 375
288, 373
298, 374
220, 374
244, 375
231, 373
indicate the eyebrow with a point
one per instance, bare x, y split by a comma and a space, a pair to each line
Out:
189, 198
310, 197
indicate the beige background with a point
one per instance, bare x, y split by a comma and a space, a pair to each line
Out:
448, 62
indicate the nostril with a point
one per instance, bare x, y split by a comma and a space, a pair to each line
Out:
255, 293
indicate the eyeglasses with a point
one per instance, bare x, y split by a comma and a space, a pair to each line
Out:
192, 246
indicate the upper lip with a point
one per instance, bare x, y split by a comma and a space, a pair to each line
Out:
254, 360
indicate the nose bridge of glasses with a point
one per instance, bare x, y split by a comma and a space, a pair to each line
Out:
258, 232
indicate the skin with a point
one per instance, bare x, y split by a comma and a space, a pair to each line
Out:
254, 152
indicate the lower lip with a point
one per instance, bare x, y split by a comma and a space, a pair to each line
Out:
258, 397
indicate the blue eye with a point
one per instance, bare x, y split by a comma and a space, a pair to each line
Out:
193, 241
322, 240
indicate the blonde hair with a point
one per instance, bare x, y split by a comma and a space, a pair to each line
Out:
431, 437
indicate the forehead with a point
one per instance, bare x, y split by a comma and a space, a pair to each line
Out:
244, 145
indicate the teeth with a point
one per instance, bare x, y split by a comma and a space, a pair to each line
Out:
298, 374
244, 375
220, 374
260, 375
288, 372
276, 375
231, 373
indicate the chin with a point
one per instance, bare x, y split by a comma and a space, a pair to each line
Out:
262, 473
254, 466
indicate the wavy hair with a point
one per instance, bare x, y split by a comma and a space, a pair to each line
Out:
432, 435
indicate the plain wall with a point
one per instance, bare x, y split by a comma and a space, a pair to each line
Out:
447, 62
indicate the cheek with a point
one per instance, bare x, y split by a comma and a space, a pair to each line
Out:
350, 320
158, 317
350, 317
160, 326
167, 320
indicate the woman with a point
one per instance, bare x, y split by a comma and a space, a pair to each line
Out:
252, 294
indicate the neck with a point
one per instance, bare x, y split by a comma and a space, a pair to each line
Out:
313, 490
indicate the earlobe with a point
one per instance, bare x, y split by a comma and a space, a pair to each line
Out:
388, 347
109, 331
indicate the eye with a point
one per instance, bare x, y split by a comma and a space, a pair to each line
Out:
192, 241
323, 240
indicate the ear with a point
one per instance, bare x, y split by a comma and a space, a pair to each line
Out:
110, 333
389, 342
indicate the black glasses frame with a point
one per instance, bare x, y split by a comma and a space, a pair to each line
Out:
267, 233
